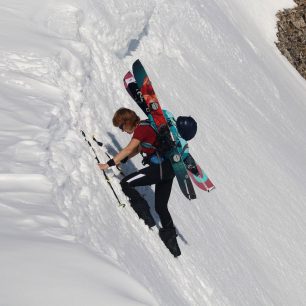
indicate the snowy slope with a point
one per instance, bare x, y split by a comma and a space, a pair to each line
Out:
61, 71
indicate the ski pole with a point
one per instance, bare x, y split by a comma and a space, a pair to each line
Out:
105, 175
100, 144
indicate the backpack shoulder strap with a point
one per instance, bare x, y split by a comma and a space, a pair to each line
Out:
146, 144
147, 122
144, 122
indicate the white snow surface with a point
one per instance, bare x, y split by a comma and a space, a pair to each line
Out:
64, 240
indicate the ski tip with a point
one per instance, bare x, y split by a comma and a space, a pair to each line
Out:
128, 75
212, 188
136, 63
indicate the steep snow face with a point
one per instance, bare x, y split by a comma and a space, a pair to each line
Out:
62, 66
40, 262
255, 17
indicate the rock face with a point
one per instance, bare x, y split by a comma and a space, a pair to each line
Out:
292, 35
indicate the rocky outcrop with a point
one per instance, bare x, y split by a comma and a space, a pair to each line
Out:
292, 35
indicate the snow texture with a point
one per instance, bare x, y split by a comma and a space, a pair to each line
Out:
64, 240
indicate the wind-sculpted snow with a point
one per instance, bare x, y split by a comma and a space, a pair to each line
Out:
61, 71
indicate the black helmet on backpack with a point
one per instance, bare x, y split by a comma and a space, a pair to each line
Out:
186, 126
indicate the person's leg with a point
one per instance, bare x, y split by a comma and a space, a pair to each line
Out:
148, 176
144, 177
162, 194
168, 232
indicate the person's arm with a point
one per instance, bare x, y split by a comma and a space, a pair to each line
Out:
131, 155
130, 150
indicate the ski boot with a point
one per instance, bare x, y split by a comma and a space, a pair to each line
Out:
168, 236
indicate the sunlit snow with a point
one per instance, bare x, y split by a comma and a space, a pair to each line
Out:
64, 240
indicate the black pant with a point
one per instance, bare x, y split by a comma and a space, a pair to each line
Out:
160, 175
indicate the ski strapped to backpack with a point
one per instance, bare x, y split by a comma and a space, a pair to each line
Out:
197, 175
140, 88
180, 143
195, 172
